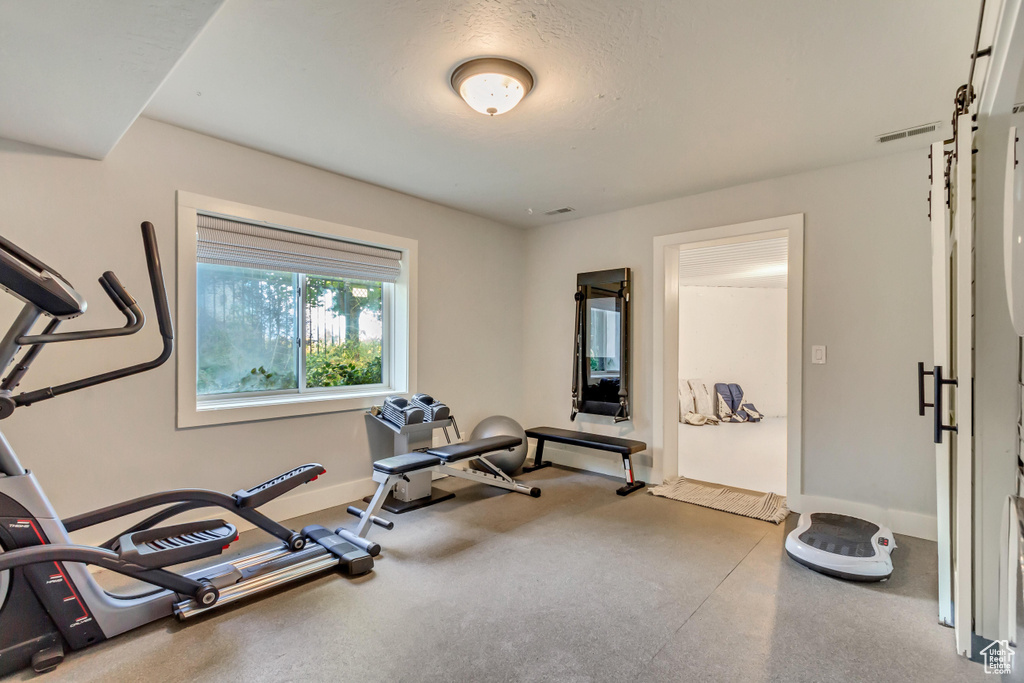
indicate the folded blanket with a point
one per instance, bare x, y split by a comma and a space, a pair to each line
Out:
696, 419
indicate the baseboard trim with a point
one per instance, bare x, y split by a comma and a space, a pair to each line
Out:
303, 501
900, 521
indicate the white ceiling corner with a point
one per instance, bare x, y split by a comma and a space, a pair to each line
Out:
74, 76
634, 102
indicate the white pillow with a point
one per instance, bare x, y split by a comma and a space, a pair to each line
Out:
702, 402
686, 404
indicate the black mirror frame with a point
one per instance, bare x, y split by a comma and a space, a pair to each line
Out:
622, 280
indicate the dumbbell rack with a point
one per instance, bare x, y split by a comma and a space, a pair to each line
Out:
387, 440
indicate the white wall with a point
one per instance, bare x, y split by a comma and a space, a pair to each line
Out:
867, 296
495, 317
119, 440
736, 335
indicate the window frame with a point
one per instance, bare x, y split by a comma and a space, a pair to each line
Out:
398, 324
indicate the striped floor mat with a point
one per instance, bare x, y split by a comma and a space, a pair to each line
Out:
769, 507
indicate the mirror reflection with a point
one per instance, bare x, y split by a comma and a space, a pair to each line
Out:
601, 358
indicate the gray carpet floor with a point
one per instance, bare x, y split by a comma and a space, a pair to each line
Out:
578, 585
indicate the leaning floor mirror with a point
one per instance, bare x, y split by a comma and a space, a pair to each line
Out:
601, 355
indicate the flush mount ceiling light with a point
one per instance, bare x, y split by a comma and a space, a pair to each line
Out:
492, 85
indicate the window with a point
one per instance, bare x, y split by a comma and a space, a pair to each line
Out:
247, 331
344, 332
285, 316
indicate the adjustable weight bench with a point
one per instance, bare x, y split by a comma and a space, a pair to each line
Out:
405, 480
624, 447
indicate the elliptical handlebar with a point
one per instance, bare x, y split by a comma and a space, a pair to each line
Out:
156, 281
136, 319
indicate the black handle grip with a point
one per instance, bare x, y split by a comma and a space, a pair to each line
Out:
135, 319
111, 284
156, 281
112, 295
921, 405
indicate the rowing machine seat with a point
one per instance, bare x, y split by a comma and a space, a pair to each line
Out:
471, 449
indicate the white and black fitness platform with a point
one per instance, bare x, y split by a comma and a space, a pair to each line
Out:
842, 546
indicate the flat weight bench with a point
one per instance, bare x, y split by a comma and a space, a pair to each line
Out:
624, 447
405, 480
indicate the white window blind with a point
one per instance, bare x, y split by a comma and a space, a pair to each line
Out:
227, 242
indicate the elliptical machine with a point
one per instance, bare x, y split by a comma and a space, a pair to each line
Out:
48, 599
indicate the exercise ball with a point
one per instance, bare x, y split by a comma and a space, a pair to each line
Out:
499, 425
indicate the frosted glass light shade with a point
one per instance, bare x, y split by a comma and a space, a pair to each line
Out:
491, 85
491, 94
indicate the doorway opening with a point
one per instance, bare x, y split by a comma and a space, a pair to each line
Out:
732, 350
673, 362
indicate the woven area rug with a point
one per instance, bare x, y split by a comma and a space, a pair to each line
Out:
769, 507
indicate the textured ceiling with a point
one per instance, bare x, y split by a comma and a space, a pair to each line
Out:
755, 263
635, 101
74, 75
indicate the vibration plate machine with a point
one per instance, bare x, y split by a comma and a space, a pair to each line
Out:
49, 601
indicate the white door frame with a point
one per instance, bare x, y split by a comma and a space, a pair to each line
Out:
666, 341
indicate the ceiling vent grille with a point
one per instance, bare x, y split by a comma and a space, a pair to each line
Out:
908, 132
555, 212
1018, 108
892, 136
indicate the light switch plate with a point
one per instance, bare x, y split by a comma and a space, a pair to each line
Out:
818, 355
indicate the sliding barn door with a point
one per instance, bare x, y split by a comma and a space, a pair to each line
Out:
942, 245
952, 229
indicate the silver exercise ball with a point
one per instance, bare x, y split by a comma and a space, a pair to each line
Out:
499, 425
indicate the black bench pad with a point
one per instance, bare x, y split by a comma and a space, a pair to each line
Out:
461, 451
599, 442
400, 464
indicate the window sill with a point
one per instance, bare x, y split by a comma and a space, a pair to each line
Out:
231, 410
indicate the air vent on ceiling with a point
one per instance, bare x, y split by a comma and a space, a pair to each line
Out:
908, 132
1018, 108
555, 212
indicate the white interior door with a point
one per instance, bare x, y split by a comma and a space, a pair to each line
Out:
942, 244
952, 232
